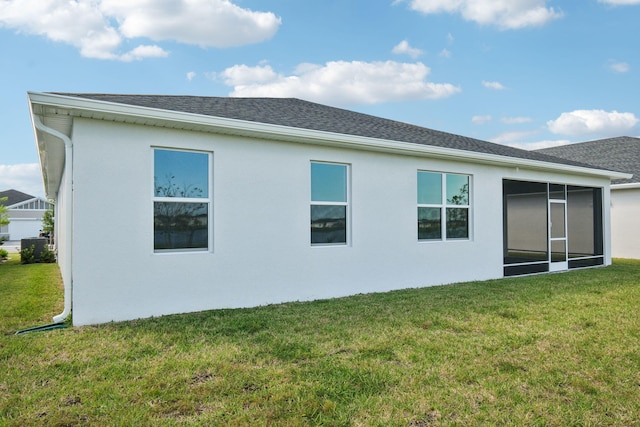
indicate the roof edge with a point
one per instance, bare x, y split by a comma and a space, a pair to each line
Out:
280, 132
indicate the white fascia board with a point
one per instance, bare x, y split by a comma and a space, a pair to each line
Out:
627, 186
104, 110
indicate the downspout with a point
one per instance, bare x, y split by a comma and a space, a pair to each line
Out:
68, 172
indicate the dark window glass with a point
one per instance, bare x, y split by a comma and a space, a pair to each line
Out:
457, 223
588, 262
179, 221
328, 224
433, 205
516, 270
328, 203
429, 223
180, 225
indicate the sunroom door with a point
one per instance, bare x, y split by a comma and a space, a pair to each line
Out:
557, 235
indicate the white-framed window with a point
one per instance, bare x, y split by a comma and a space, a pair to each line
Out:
329, 203
443, 206
182, 200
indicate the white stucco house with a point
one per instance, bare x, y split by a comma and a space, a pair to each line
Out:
25, 215
620, 154
170, 204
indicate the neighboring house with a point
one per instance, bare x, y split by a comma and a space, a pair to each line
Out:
171, 204
25, 213
620, 154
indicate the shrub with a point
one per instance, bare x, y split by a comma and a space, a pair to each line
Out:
27, 255
47, 255
4, 254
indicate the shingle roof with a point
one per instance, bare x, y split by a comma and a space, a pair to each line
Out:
14, 196
620, 154
298, 113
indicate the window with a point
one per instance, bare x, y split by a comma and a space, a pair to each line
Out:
35, 205
329, 203
181, 200
443, 206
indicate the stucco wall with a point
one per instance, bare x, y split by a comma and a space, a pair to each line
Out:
625, 223
24, 223
261, 252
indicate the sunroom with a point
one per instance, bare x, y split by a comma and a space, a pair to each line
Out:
551, 227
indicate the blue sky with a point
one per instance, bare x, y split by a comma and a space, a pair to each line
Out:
527, 73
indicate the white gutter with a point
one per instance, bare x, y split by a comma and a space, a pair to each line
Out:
68, 166
627, 186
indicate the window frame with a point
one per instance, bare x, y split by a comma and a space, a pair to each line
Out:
206, 200
346, 203
444, 206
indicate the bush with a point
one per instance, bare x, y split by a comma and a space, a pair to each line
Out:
47, 255
4, 254
27, 255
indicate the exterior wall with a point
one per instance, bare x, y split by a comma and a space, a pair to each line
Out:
24, 223
261, 252
62, 229
625, 223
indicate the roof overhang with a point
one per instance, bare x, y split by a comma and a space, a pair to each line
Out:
626, 186
58, 111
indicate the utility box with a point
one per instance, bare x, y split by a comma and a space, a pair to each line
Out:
39, 244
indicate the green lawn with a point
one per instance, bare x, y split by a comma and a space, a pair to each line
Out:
549, 350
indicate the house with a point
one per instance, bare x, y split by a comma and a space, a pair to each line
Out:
25, 213
173, 204
620, 154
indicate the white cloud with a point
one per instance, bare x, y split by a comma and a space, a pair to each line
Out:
98, 28
480, 120
515, 137
404, 48
25, 177
217, 23
619, 67
504, 14
493, 85
516, 120
445, 53
142, 52
339, 82
593, 122
538, 145
191, 75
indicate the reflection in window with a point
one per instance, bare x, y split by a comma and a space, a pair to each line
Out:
181, 203
429, 223
439, 217
329, 203
457, 189
180, 225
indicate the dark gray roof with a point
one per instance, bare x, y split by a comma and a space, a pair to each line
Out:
14, 196
620, 154
297, 113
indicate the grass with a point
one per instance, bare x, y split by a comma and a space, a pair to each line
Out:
548, 350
